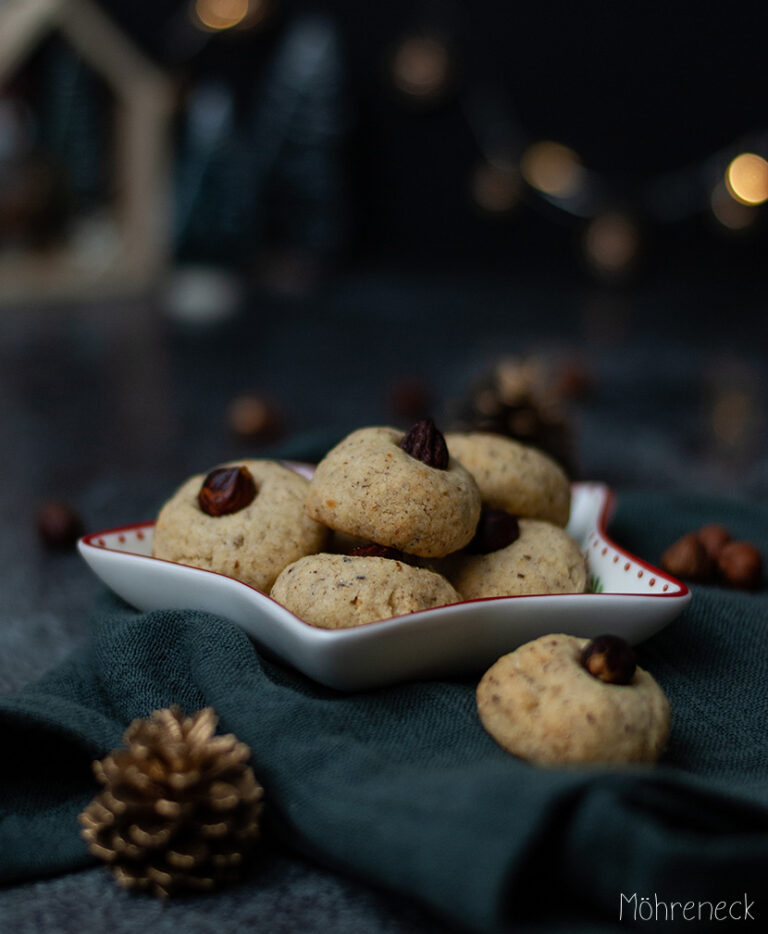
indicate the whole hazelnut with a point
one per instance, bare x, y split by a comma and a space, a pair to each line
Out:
573, 381
254, 418
495, 530
410, 398
376, 551
426, 443
226, 490
741, 565
688, 558
610, 659
59, 525
713, 538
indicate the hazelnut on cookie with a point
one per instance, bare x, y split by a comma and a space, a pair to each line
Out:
245, 519
403, 491
560, 700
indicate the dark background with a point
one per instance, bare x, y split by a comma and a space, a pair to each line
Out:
638, 91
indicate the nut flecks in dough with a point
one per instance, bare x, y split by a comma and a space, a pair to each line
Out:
541, 704
253, 544
369, 488
544, 559
340, 591
514, 477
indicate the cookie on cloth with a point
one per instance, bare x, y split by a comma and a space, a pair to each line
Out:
369, 487
541, 703
542, 559
245, 519
513, 476
341, 591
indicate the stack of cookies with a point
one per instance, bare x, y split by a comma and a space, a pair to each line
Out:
390, 523
393, 523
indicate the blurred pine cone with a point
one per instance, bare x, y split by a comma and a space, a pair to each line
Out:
180, 808
523, 399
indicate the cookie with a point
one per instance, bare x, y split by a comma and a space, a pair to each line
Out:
514, 477
253, 543
540, 703
341, 591
543, 559
370, 488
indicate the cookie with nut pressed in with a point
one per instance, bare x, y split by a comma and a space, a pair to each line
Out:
542, 559
512, 476
341, 591
369, 487
543, 703
249, 529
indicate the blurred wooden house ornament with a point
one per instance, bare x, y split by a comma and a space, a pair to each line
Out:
124, 252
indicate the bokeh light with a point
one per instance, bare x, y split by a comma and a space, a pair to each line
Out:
611, 242
552, 168
732, 214
420, 66
495, 187
220, 14
747, 178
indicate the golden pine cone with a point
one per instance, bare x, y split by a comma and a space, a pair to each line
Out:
180, 807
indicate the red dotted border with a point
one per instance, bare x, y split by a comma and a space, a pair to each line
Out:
597, 542
118, 537
598, 538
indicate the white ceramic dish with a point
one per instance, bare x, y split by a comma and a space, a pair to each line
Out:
632, 599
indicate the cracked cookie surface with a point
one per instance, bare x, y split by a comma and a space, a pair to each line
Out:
253, 544
340, 591
540, 703
368, 487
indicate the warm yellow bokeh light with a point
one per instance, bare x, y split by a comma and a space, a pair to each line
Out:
552, 168
220, 14
747, 178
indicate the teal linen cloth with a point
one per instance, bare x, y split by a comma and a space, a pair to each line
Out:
402, 787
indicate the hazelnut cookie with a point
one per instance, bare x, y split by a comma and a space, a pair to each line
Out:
245, 519
370, 487
542, 559
341, 591
542, 703
511, 476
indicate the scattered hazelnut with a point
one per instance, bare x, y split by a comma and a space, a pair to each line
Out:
254, 418
741, 565
409, 398
226, 490
376, 551
713, 538
573, 381
688, 558
59, 525
426, 443
495, 530
610, 659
